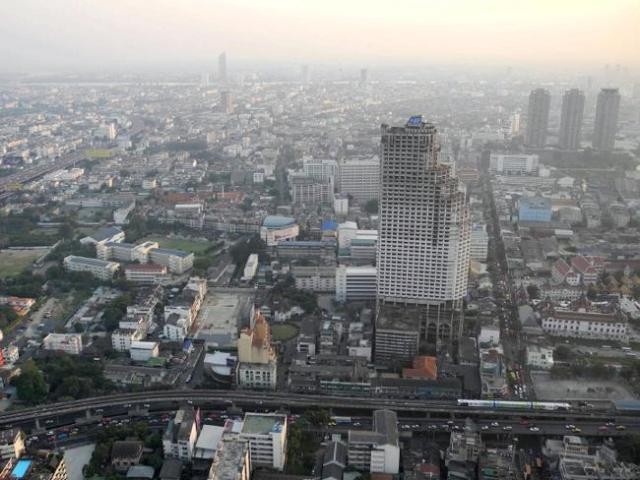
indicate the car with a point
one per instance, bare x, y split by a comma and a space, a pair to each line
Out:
450, 422
610, 424
576, 430
485, 427
569, 427
357, 424
507, 428
524, 422
603, 428
621, 427
534, 429
495, 424
432, 427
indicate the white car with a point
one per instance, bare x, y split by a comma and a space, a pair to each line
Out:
485, 427
534, 429
495, 424
508, 428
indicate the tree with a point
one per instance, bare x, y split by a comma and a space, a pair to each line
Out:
533, 291
371, 207
30, 385
562, 353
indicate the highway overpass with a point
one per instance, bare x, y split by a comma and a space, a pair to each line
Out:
209, 399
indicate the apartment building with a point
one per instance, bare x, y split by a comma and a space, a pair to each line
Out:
98, 268
70, 343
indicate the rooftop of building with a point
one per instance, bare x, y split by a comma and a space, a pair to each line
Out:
278, 221
88, 261
170, 251
146, 267
105, 232
398, 317
263, 424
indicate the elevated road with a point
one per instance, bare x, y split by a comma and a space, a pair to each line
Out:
298, 403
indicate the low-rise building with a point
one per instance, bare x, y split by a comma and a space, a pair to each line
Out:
267, 436
583, 324
179, 438
276, 229
232, 460
355, 283
104, 235
176, 261
125, 454
98, 268
148, 273
121, 339
143, 351
258, 362
11, 443
539, 357
316, 279
70, 343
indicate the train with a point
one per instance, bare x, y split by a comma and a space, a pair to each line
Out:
514, 405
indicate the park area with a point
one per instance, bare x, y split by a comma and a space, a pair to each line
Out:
196, 246
281, 332
12, 262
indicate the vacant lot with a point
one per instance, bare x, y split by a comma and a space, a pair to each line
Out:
281, 332
180, 243
582, 389
12, 262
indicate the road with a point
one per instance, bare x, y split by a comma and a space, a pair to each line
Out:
295, 402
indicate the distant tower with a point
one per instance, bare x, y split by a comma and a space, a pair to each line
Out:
571, 119
204, 80
364, 74
537, 118
222, 67
423, 243
305, 74
606, 123
226, 102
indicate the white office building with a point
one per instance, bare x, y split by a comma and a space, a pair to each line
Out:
479, 242
320, 169
360, 178
355, 283
267, 436
514, 164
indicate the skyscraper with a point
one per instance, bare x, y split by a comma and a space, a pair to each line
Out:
537, 118
571, 119
364, 76
222, 67
226, 102
606, 123
423, 247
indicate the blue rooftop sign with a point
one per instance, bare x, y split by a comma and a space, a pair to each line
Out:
415, 121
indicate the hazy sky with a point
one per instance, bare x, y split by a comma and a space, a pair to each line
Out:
38, 35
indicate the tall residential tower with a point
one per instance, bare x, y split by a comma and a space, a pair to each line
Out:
423, 246
537, 118
222, 67
571, 119
606, 123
